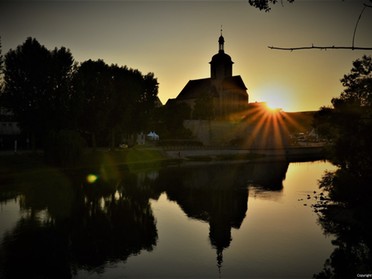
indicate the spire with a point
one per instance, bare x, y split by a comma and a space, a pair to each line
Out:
221, 42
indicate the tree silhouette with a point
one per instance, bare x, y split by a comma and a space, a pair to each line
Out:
37, 83
1, 59
1, 70
113, 100
92, 85
351, 119
265, 4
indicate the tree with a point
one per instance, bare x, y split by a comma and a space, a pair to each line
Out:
351, 119
1, 69
112, 100
265, 4
37, 87
345, 212
92, 89
1, 60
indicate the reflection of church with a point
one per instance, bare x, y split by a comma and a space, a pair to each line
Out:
219, 195
226, 92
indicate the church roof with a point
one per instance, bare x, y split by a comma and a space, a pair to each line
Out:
198, 87
221, 58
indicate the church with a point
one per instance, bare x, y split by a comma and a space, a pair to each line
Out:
221, 114
226, 93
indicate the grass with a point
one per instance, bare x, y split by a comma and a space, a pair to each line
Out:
24, 162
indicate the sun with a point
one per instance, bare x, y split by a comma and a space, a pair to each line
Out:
275, 97
274, 103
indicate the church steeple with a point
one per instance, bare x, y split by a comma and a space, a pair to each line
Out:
221, 64
221, 42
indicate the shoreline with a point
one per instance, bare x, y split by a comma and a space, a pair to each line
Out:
152, 156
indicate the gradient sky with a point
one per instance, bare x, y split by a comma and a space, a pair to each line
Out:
176, 40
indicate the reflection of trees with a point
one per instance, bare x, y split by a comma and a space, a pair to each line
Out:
218, 194
69, 225
347, 214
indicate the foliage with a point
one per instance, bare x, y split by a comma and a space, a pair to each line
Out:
91, 96
113, 100
346, 210
36, 86
1, 60
265, 4
1, 70
47, 92
348, 124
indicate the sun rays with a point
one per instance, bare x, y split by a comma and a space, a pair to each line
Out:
265, 127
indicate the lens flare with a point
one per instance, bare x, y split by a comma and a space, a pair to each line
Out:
91, 178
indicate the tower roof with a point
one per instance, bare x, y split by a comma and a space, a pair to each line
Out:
221, 58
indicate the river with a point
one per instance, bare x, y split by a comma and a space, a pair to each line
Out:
210, 220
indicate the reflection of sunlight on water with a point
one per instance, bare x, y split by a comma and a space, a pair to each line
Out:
283, 233
9, 215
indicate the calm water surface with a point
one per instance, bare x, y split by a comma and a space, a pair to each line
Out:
228, 220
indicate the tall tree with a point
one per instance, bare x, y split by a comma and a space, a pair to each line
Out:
36, 82
92, 89
351, 119
1, 69
112, 100
1, 59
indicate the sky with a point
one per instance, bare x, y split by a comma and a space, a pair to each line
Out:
176, 40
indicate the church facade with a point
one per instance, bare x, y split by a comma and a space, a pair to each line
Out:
221, 114
226, 93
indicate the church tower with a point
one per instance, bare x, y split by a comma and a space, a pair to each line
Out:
221, 64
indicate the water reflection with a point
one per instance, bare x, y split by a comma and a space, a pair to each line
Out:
346, 213
219, 195
68, 224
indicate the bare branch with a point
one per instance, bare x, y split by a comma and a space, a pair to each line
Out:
356, 25
320, 47
352, 47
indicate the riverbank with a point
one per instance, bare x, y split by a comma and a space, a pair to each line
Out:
12, 163
294, 153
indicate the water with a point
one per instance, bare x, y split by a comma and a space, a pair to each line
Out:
227, 220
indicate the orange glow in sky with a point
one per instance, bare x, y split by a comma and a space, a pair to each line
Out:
177, 39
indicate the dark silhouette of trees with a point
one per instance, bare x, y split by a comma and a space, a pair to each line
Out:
36, 87
113, 100
92, 86
348, 123
1, 71
1, 61
346, 209
50, 95
265, 4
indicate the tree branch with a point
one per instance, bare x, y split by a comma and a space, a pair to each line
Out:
352, 47
320, 47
